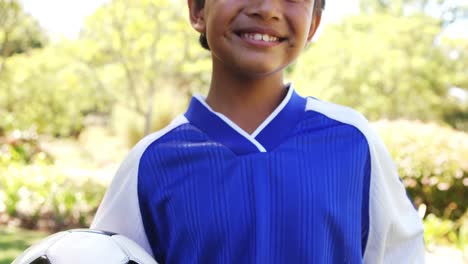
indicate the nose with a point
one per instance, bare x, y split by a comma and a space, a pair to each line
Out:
264, 9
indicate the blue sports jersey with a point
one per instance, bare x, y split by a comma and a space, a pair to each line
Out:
305, 187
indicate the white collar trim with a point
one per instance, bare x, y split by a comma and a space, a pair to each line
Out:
250, 137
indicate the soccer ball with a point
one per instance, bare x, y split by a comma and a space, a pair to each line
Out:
85, 246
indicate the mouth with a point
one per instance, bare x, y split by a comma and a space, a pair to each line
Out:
260, 36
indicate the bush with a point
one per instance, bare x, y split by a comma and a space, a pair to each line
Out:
23, 147
432, 162
49, 90
439, 231
40, 197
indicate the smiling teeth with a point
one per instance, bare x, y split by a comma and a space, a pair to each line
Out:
260, 37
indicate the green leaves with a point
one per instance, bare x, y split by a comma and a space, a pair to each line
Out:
383, 65
39, 196
47, 91
431, 160
19, 32
148, 44
130, 52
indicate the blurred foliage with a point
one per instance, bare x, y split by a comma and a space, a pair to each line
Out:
19, 32
22, 147
130, 126
392, 65
39, 196
443, 231
389, 67
456, 109
143, 45
456, 50
447, 11
46, 90
456, 114
128, 52
433, 164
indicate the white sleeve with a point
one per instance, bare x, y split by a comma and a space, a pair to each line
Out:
119, 211
396, 232
395, 228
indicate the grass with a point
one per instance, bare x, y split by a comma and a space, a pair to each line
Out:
14, 241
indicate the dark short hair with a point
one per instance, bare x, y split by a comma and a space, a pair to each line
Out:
319, 6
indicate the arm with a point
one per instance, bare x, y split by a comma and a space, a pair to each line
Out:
395, 229
119, 211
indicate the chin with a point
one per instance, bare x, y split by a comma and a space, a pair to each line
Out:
256, 70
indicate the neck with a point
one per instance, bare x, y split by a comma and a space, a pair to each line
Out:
245, 101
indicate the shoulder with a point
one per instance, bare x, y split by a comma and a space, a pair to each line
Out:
343, 114
139, 149
395, 229
119, 210
143, 144
337, 112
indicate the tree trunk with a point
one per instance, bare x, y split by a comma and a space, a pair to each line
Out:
149, 110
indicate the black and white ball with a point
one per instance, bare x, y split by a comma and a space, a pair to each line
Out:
85, 246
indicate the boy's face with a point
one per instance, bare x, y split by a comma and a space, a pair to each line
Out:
255, 37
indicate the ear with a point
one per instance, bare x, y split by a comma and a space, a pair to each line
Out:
313, 26
197, 18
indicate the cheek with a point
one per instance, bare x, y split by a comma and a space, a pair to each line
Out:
304, 34
216, 24
301, 21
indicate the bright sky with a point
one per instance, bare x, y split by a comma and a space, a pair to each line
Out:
66, 17
61, 17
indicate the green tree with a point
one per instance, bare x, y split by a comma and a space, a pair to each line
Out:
447, 11
454, 59
47, 90
144, 45
456, 113
383, 65
19, 32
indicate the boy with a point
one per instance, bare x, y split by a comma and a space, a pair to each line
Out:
255, 173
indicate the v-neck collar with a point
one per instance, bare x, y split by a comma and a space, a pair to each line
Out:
269, 134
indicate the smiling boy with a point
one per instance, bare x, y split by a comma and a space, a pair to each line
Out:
255, 173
